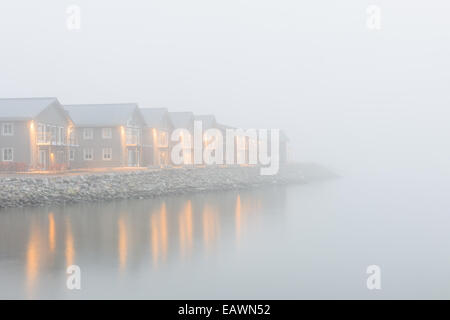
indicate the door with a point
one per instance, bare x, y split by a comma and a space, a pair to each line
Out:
43, 159
132, 157
163, 159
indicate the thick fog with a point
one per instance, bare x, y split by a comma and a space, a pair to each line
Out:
349, 97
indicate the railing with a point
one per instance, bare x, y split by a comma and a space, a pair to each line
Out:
49, 139
132, 140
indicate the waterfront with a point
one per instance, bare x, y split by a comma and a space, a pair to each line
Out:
281, 242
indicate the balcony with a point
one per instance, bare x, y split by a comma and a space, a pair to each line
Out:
132, 137
49, 139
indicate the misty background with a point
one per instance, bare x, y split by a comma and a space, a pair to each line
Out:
357, 100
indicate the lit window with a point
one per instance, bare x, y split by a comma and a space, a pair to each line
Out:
7, 129
163, 141
107, 154
132, 136
88, 134
41, 136
88, 154
7, 154
106, 133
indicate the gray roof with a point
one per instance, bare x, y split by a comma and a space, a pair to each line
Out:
24, 108
101, 114
208, 120
156, 117
182, 119
224, 126
283, 136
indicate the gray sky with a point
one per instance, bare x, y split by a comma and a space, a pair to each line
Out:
348, 97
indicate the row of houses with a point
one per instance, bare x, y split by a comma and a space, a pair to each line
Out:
41, 134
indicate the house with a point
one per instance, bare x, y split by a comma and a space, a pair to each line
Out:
239, 153
208, 121
109, 135
185, 120
156, 137
35, 134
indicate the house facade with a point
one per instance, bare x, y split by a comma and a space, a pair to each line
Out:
156, 137
208, 122
109, 135
185, 120
35, 134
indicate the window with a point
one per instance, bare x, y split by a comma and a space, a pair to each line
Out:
132, 136
7, 154
107, 154
88, 134
106, 133
54, 134
41, 136
7, 129
71, 136
88, 154
163, 141
61, 135
72, 155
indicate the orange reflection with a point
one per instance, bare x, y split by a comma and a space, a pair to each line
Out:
32, 264
159, 238
163, 225
122, 243
210, 226
51, 232
70, 251
238, 217
155, 239
185, 229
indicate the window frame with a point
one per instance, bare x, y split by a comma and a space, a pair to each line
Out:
3, 154
108, 151
88, 137
5, 125
109, 135
163, 138
85, 152
71, 155
41, 133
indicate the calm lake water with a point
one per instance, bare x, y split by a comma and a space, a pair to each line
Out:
303, 241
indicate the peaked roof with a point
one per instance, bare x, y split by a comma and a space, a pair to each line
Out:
24, 108
155, 117
101, 114
181, 119
208, 120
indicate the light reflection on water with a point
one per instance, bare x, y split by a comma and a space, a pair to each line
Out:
305, 241
121, 236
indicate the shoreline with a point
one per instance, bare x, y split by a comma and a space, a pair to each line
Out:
39, 190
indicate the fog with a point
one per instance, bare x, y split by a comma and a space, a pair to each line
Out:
354, 99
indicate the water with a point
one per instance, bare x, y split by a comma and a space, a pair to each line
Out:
303, 241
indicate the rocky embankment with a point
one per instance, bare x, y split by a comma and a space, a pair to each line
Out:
20, 191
